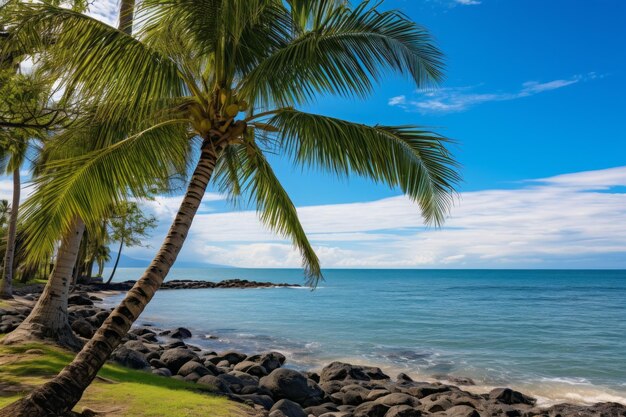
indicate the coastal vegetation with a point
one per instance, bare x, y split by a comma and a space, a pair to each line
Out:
215, 85
118, 391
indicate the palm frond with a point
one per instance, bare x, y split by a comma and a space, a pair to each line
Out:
87, 185
344, 51
96, 61
244, 170
415, 160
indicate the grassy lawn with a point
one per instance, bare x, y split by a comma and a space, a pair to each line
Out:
18, 284
118, 392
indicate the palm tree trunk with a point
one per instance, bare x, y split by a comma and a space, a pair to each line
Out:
65, 390
6, 285
117, 260
127, 8
49, 320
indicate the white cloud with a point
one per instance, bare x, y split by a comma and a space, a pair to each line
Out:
105, 10
564, 221
468, 2
456, 99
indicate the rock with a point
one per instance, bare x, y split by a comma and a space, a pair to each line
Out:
174, 359
425, 389
289, 408
370, 409
157, 363
264, 401
251, 368
398, 398
82, 328
462, 411
269, 360
313, 375
180, 333
232, 357
129, 358
215, 383
162, 372
436, 403
79, 300
457, 380
292, 385
174, 345
339, 371
194, 367
330, 387
376, 393
337, 414
318, 410
402, 377
192, 377
509, 396
403, 411
137, 345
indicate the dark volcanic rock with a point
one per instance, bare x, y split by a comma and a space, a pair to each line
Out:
194, 367
269, 360
508, 396
403, 411
339, 371
180, 333
289, 408
215, 383
82, 328
129, 358
292, 385
174, 359
79, 300
371, 409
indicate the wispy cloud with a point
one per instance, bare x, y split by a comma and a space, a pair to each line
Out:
467, 2
457, 99
563, 221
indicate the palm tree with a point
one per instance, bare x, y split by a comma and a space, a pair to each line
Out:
49, 320
13, 150
225, 77
128, 226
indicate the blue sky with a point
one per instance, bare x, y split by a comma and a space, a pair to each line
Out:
534, 96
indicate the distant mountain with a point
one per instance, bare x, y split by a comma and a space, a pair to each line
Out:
128, 262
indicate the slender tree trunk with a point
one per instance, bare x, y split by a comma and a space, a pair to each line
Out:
49, 319
127, 8
65, 390
117, 260
6, 285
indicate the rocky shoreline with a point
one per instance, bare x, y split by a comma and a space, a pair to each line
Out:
263, 382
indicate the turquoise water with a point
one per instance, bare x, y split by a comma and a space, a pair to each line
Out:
557, 334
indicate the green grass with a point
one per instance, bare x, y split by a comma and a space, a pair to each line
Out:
119, 391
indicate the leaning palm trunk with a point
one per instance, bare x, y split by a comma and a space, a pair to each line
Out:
65, 390
6, 285
49, 319
117, 261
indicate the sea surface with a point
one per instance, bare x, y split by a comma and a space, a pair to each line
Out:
559, 335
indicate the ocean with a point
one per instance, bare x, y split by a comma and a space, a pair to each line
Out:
558, 335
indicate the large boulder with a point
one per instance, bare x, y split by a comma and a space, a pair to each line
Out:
82, 328
194, 367
180, 333
340, 371
289, 408
251, 368
79, 300
398, 398
370, 409
292, 385
509, 396
403, 411
268, 360
214, 383
174, 359
129, 358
